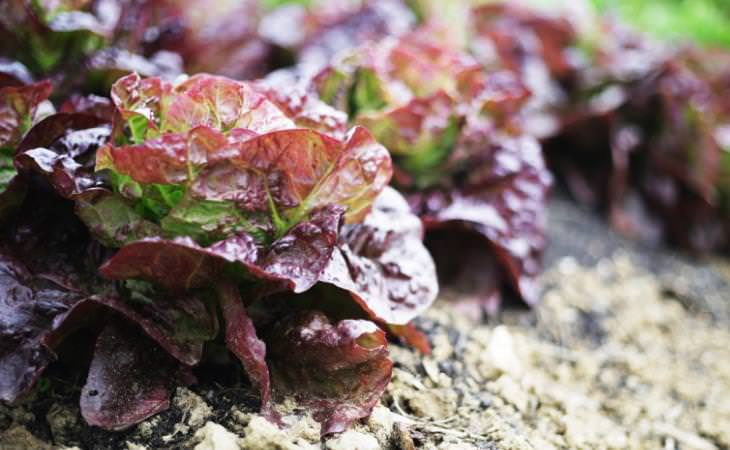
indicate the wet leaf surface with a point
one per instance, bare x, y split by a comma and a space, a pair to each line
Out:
339, 370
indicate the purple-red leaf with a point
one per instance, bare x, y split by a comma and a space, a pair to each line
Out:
503, 200
192, 28
180, 324
296, 260
17, 110
49, 288
212, 101
303, 107
338, 370
62, 148
28, 307
241, 339
317, 35
130, 379
383, 264
199, 167
46, 265
92, 105
18, 106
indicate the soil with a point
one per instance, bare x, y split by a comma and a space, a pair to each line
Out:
629, 349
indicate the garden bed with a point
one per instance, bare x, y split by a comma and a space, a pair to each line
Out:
628, 349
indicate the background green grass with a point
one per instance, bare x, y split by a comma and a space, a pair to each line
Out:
706, 22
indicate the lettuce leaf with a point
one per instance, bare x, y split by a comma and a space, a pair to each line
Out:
338, 370
109, 399
455, 133
215, 157
383, 265
18, 106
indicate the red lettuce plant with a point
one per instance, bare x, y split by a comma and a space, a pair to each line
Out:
628, 125
454, 132
636, 124
18, 111
50, 288
219, 206
313, 35
18, 106
191, 28
81, 44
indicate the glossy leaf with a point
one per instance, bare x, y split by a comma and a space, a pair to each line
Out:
216, 102
242, 341
338, 370
28, 307
49, 288
130, 379
383, 264
303, 107
503, 200
92, 105
47, 265
421, 135
62, 148
296, 260
210, 178
319, 33
18, 105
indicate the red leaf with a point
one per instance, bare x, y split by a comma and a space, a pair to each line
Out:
296, 260
383, 264
241, 339
17, 110
338, 370
130, 379
503, 201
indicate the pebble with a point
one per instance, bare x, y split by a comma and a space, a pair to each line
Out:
215, 437
353, 440
380, 423
193, 406
502, 352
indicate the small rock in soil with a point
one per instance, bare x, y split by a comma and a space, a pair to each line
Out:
353, 440
215, 437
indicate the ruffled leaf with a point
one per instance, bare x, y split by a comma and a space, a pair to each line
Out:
18, 105
338, 370
17, 110
192, 28
130, 379
296, 260
49, 288
179, 324
47, 265
383, 264
62, 148
316, 35
92, 105
28, 307
503, 200
242, 341
111, 220
200, 168
262, 185
206, 100
421, 135
303, 107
